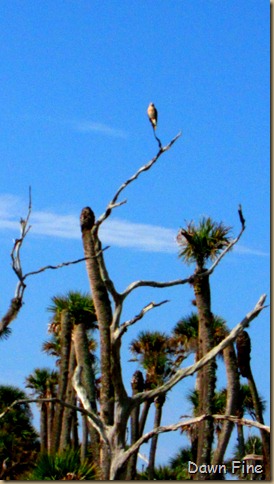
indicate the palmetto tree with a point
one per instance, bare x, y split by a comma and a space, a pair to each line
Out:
198, 245
186, 333
154, 352
76, 311
43, 382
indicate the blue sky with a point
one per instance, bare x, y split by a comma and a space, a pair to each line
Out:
76, 80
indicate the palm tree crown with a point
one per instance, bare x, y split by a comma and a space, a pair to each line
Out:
202, 242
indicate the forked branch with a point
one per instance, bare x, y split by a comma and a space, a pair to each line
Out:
113, 203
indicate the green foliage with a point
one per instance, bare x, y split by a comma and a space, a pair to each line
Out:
79, 305
18, 438
154, 351
65, 466
202, 242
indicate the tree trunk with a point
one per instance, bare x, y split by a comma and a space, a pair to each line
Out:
63, 377
43, 428
259, 417
65, 441
83, 358
243, 344
92, 247
159, 402
208, 372
233, 389
50, 420
137, 384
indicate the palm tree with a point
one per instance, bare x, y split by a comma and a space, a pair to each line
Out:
154, 351
43, 382
19, 443
186, 334
81, 318
199, 244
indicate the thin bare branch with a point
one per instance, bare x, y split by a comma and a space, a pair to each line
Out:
113, 202
62, 264
44, 400
227, 249
190, 279
136, 284
130, 322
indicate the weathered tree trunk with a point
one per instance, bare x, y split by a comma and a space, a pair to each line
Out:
208, 372
92, 248
83, 358
159, 402
233, 389
66, 327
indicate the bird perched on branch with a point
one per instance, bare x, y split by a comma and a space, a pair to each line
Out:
153, 115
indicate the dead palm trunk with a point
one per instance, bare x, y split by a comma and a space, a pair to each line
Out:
159, 402
208, 372
92, 248
233, 389
66, 327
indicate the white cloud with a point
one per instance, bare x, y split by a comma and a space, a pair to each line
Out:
95, 127
114, 232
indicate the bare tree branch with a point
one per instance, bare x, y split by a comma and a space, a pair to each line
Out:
119, 333
44, 400
17, 302
190, 370
62, 264
95, 421
146, 167
123, 457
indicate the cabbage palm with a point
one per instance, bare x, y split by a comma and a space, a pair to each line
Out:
198, 245
154, 352
43, 382
76, 311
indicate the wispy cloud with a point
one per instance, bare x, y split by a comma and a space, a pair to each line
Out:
114, 232
95, 127
80, 125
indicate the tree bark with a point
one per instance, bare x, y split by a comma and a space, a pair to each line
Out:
66, 327
92, 248
208, 372
83, 358
137, 384
159, 402
43, 428
65, 440
233, 389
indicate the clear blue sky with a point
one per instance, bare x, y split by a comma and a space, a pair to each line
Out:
76, 80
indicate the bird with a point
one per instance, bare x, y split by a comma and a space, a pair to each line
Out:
152, 115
